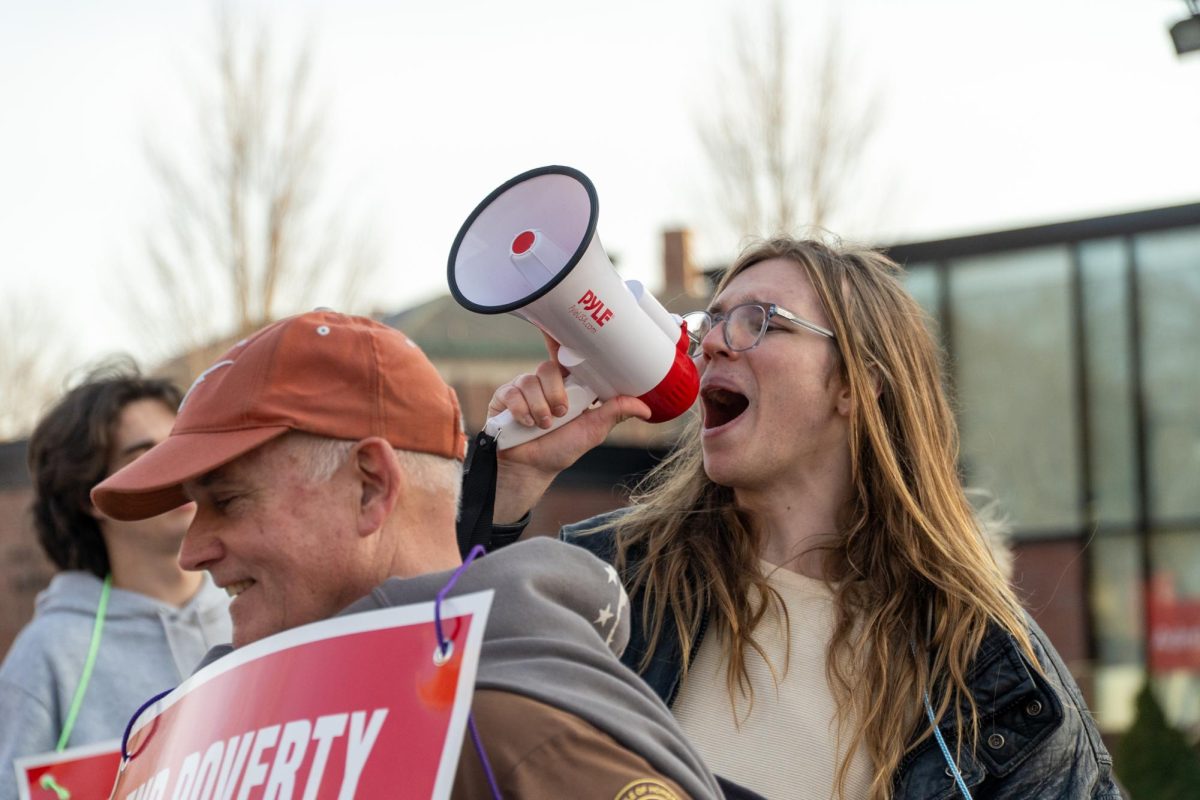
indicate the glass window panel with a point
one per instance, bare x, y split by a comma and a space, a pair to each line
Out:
1169, 279
921, 280
1117, 598
1176, 556
1116, 601
1175, 561
1015, 384
1110, 389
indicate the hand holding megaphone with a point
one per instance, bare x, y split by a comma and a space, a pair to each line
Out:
529, 470
540, 399
512, 432
530, 248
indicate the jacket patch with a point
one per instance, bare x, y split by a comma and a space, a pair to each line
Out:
646, 789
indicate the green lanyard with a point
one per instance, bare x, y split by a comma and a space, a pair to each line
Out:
88, 665
85, 678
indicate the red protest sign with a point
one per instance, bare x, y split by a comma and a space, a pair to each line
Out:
82, 771
355, 706
1174, 627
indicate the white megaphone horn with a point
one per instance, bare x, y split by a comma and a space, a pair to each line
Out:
530, 248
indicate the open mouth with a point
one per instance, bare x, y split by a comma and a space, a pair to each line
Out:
722, 406
237, 587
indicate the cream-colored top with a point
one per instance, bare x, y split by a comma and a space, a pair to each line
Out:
786, 745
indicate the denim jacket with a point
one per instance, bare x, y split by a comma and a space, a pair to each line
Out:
1037, 738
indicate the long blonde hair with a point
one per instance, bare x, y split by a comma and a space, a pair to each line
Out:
909, 563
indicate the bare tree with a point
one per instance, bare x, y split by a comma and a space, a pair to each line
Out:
246, 235
33, 363
785, 141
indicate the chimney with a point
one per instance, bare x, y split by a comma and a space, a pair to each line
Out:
679, 271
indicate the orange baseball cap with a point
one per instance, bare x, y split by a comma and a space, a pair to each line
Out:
323, 373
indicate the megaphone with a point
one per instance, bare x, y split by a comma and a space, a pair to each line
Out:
531, 249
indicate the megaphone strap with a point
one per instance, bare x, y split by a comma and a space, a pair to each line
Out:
478, 495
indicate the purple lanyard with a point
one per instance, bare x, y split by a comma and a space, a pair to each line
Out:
444, 651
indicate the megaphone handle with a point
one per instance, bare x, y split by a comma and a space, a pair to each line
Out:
510, 433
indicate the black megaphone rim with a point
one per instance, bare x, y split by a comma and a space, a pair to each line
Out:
589, 234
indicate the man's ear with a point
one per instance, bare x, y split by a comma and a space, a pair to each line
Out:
380, 481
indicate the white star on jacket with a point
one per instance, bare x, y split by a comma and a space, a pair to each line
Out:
605, 614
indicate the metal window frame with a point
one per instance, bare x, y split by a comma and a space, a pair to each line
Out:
1123, 227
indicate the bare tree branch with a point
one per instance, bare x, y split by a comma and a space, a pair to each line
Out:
34, 363
785, 141
244, 233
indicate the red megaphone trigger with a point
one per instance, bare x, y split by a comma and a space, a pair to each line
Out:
676, 392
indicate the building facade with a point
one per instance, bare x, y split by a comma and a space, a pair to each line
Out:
1074, 354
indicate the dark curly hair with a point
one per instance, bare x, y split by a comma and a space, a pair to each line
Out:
68, 455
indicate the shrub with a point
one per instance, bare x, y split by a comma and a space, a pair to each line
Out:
1154, 760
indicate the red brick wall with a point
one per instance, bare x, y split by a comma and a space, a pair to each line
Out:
1050, 580
563, 506
24, 569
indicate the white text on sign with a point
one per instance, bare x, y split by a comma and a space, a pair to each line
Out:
231, 769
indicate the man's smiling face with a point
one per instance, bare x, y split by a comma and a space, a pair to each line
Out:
282, 544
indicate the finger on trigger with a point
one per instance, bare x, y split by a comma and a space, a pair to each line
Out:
497, 403
533, 394
553, 387
512, 398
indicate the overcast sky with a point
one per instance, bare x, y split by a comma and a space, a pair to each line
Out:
994, 115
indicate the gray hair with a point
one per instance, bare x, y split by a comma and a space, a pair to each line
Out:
321, 457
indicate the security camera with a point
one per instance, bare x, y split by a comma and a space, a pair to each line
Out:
1186, 33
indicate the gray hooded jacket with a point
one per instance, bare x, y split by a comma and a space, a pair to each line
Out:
559, 619
146, 646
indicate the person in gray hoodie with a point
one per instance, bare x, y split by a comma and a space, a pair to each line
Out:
324, 457
121, 621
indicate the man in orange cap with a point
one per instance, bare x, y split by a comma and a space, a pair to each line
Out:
324, 457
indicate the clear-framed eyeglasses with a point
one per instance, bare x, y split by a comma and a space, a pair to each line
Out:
745, 325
